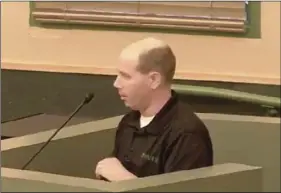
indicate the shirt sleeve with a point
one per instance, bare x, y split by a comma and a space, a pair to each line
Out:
188, 151
114, 152
115, 145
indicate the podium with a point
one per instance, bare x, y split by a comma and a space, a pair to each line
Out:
67, 165
219, 178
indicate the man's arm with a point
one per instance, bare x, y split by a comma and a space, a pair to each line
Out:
188, 151
111, 169
114, 152
118, 134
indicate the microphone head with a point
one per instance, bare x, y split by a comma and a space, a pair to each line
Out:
88, 98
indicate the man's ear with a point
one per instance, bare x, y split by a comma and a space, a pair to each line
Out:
155, 79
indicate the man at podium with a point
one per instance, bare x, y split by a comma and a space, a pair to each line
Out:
160, 134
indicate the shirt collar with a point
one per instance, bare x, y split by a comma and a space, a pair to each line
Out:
161, 119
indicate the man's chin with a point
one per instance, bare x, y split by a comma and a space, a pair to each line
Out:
127, 104
132, 107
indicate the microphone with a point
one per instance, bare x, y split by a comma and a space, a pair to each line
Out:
87, 99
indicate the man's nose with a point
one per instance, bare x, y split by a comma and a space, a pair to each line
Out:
116, 83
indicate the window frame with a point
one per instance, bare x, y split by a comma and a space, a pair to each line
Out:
253, 29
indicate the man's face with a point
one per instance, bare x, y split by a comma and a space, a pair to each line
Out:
133, 87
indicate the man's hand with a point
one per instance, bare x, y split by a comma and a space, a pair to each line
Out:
113, 170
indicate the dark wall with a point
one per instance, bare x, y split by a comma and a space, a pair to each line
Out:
25, 93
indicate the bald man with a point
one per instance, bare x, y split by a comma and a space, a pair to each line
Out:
160, 134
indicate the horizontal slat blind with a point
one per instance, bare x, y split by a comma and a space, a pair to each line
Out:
210, 16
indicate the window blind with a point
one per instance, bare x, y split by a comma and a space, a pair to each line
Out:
208, 16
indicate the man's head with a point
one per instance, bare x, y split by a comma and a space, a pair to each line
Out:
145, 67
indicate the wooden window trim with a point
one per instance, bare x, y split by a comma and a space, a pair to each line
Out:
238, 27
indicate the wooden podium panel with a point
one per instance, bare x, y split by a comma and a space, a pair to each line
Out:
251, 142
228, 177
38, 123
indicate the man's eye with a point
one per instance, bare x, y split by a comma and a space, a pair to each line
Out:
126, 76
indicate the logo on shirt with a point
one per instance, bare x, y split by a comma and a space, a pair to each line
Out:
151, 158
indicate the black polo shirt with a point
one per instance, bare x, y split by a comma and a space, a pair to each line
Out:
176, 139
